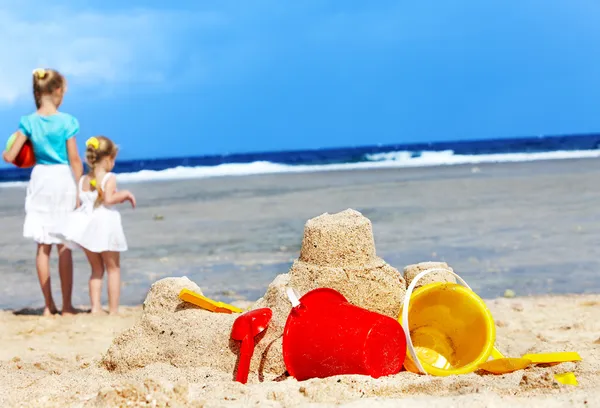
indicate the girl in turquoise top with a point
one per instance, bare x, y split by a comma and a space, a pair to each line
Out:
52, 188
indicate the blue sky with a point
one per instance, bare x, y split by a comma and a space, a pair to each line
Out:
207, 77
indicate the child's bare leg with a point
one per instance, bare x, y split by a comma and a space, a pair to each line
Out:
42, 263
65, 270
112, 261
97, 266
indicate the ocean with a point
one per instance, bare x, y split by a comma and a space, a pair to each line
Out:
346, 158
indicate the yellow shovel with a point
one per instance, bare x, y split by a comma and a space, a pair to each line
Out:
504, 365
205, 303
553, 358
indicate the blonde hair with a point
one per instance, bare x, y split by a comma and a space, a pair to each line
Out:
97, 148
46, 82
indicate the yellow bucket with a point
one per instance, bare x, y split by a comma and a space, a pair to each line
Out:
449, 329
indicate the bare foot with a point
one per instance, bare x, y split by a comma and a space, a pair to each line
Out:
114, 313
69, 311
98, 311
49, 311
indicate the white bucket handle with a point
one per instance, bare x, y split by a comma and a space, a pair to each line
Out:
405, 308
292, 296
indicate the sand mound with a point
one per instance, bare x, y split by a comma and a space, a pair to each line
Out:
338, 251
411, 272
174, 332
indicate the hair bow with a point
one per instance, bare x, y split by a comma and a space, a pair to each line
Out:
93, 142
93, 182
39, 72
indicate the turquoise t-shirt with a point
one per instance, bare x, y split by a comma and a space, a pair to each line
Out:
49, 135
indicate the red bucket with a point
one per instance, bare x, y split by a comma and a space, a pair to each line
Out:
325, 335
25, 158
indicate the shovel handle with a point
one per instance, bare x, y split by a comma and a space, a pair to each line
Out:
246, 351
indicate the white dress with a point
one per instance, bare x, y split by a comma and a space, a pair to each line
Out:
95, 229
51, 197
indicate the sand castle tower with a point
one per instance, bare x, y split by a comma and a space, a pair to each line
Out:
338, 252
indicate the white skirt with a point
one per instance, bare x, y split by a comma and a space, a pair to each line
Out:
97, 230
51, 197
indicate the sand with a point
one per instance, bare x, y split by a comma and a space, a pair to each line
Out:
171, 353
56, 362
530, 227
338, 252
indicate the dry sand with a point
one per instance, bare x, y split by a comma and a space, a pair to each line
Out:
57, 362
172, 354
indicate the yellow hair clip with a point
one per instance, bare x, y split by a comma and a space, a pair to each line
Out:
93, 182
39, 72
93, 142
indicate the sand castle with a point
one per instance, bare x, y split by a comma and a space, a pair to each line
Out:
338, 251
174, 332
411, 272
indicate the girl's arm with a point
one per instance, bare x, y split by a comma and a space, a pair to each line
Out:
75, 163
74, 159
11, 155
112, 196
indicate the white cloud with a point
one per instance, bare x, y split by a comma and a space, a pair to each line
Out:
96, 49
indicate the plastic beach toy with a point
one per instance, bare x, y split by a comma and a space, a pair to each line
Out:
202, 301
566, 378
25, 158
553, 358
508, 365
245, 328
449, 329
325, 335
505, 365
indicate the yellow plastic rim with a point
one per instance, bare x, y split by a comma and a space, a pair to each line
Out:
428, 361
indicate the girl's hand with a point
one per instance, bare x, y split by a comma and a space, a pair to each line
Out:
5, 157
130, 197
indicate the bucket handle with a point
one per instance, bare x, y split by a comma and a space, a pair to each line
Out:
405, 307
292, 296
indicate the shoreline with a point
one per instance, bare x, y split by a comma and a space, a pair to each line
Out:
320, 171
529, 227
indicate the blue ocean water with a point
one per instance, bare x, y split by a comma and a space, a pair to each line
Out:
399, 155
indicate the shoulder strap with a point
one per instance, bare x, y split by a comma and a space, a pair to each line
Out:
81, 182
104, 180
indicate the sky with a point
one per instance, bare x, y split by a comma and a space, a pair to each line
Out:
197, 77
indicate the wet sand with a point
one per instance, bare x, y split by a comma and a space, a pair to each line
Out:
529, 227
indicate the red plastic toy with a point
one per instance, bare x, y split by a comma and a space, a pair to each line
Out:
325, 335
25, 158
245, 328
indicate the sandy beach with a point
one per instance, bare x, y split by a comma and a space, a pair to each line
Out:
528, 227
55, 362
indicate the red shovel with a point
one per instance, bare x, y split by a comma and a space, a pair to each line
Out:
244, 329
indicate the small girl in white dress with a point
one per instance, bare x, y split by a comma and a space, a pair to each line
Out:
96, 225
